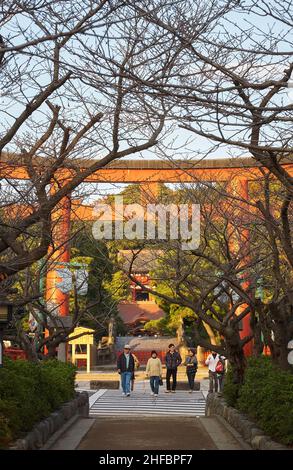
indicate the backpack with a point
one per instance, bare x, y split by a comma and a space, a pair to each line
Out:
220, 367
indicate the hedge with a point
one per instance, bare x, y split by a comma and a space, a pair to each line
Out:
266, 396
29, 392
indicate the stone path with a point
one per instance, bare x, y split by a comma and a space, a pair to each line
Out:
157, 433
147, 433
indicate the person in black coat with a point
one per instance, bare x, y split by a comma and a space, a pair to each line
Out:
126, 367
173, 360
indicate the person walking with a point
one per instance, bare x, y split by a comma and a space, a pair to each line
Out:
154, 372
191, 368
126, 367
220, 370
173, 360
212, 361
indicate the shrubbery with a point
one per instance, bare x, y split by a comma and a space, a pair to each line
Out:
29, 392
230, 389
266, 397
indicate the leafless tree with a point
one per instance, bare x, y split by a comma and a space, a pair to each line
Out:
234, 75
64, 102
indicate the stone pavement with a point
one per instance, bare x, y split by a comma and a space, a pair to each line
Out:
147, 433
152, 433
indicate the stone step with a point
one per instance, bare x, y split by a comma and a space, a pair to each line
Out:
142, 403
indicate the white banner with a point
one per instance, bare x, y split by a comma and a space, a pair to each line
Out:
65, 285
32, 322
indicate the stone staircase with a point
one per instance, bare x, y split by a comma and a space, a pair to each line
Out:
141, 403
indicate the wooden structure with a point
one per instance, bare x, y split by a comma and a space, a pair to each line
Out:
87, 339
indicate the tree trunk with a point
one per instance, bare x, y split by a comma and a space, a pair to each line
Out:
235, 355
258, 343
282, 333
277, 326
28, 347
52, 353
210, 332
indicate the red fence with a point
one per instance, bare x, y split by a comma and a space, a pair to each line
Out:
15, 353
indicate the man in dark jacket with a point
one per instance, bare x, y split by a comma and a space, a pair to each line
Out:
173, 360
126, 366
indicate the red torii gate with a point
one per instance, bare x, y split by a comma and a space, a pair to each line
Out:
147, 173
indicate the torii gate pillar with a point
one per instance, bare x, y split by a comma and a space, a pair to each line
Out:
59, 257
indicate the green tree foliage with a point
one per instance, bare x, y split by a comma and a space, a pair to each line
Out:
118, 286
174, 313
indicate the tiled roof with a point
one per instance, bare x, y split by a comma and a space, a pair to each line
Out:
130, 312
144, 261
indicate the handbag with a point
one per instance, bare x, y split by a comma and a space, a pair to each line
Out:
161, 382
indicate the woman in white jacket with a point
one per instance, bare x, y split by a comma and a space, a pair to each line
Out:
154, 372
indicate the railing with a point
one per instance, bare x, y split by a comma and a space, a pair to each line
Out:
15, 353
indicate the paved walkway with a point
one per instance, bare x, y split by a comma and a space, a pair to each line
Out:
159, 433
147, 433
